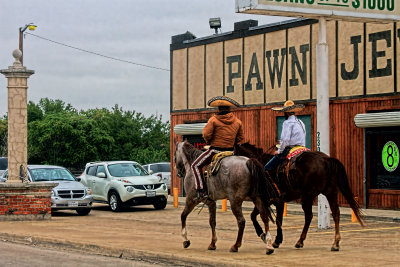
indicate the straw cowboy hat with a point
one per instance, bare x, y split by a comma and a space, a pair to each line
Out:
225, 101
289, 106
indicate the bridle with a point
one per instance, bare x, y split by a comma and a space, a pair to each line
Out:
180, 172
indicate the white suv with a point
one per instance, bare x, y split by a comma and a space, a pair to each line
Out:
124, 183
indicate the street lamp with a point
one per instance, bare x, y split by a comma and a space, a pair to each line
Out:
215, 23
29, 26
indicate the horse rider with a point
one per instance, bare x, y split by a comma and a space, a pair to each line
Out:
293, 134
222, 131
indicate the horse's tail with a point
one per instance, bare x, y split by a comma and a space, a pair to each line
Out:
261, 186
337, 170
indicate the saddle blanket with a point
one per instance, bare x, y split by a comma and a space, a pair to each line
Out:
296, 151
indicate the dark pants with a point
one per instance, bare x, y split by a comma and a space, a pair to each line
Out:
277, 159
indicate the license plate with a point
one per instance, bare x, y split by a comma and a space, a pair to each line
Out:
73, 204
150, 194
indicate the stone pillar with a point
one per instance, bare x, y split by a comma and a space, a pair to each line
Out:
17, 76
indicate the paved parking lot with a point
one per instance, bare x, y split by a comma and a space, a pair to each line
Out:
144, 233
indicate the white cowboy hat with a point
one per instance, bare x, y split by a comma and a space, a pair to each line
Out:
219, 101
289, 106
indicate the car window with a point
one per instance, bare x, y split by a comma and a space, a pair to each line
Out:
164, 167
126, 169
154, 167
92, 170
102, 169
51, 174
3, 163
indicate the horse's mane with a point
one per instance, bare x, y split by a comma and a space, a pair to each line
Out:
190, 151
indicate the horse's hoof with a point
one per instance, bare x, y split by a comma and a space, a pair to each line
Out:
334, 248
212, 247
186, 244
269, 251
233, 249
298, 245
275, 245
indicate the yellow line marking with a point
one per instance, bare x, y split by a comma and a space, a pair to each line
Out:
359, 230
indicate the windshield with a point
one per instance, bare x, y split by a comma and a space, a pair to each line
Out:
126, 169
51, 174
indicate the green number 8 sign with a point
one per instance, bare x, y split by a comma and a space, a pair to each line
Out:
390, 156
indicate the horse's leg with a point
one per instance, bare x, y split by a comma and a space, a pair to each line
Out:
212, 209
256, 225
307, 208
236, 207
189, 206
280, 205
266, 238
333, 204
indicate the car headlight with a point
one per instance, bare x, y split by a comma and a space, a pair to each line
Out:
88, 191
164, 187
53, 193
129, 189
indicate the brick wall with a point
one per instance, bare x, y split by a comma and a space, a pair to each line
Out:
25, 201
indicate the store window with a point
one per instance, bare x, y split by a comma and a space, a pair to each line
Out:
383, 146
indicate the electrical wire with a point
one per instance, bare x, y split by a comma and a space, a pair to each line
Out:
97, 54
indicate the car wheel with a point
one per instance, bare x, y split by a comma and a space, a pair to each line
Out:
83, 212
160, 204
114, 201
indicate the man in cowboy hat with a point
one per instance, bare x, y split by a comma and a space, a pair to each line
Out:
222, 132
293, 134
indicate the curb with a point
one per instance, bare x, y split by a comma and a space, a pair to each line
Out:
127, 254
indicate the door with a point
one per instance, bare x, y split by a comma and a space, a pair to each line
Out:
383, 146
100, 187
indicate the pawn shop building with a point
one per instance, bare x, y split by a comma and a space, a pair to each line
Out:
262, 66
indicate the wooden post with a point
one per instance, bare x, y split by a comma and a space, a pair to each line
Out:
176, 197
224, 204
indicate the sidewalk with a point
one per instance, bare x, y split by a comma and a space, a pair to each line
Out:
295, 208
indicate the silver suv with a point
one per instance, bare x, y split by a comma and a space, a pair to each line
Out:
69, 194
124, 183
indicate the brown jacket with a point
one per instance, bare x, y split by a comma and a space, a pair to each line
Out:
223, 131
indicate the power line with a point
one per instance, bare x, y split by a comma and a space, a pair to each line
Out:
97, 54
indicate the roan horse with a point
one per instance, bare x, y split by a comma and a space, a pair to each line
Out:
238, 178
314, 173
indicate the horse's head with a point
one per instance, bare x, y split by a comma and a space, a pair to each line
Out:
179, 162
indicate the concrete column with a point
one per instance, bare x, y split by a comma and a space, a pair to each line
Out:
323, 114
17, 76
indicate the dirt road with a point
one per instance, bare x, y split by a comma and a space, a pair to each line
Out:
144, 233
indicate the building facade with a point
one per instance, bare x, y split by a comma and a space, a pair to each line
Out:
263, 66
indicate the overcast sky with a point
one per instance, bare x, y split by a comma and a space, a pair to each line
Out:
138, 31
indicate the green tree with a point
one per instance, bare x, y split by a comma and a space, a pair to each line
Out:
59, 135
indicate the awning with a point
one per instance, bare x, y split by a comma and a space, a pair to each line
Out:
189, 129
379, 119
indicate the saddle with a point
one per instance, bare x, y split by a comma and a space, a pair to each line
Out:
215, 164
290, 162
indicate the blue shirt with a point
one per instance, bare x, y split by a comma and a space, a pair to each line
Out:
293, 133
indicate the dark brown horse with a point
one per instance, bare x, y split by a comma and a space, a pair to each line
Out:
238, 178
314, 173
